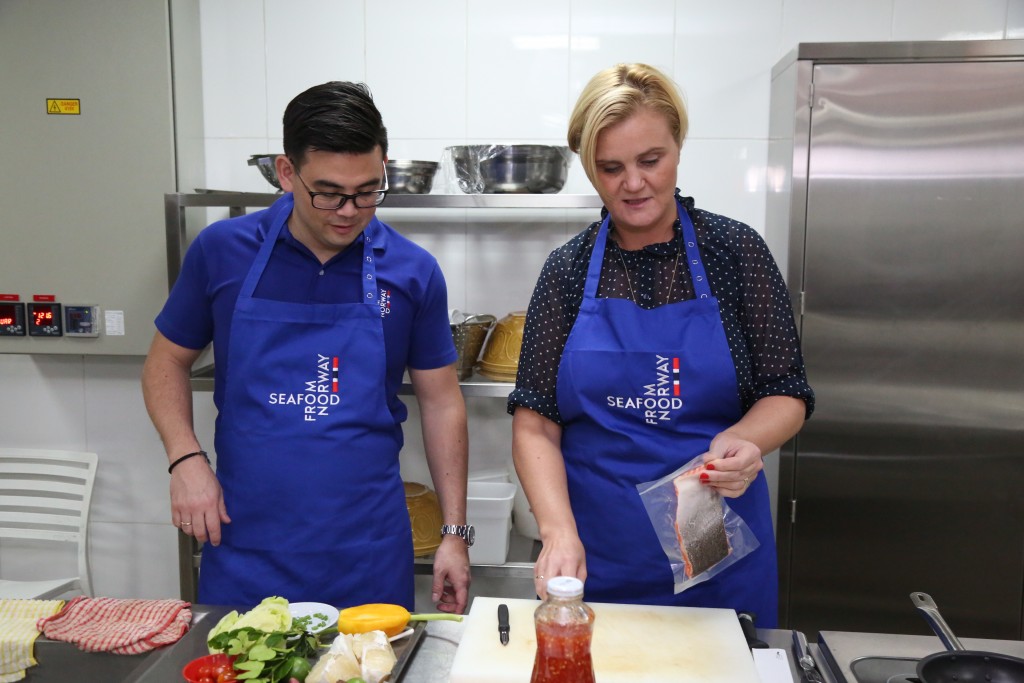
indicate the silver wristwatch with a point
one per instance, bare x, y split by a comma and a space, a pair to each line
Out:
465, 531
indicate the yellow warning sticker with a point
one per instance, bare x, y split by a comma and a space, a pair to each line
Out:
63, 106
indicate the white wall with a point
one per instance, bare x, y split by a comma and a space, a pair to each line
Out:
443, 72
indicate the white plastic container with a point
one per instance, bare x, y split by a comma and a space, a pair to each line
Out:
489, 510
522, 515
499, 475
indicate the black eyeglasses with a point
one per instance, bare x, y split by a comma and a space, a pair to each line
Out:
335, 200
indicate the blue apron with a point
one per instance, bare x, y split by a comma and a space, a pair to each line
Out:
641, 393
307, 452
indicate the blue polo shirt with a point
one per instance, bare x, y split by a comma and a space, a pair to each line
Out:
413, 297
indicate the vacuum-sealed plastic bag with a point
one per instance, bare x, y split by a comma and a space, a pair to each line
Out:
699, 532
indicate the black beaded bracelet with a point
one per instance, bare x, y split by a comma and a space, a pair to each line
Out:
186, 457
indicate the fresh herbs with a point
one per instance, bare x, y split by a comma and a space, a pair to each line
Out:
306, 622
263, 657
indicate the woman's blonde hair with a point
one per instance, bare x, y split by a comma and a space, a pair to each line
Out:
615, 94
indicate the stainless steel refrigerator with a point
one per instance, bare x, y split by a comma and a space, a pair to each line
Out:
896, 209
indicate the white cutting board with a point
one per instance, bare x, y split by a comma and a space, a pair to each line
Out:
631, 643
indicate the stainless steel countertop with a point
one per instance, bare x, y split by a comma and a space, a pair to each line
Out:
60, 662
845, 647
430, 663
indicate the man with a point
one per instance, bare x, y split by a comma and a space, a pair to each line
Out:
315, 309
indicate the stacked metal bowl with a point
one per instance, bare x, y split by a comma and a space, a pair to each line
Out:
265, 163
409, 176
534, 169
405, 176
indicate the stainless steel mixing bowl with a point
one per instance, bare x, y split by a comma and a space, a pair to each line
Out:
408, 176
534, 169
265, 163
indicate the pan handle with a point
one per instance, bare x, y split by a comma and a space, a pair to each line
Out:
927, 607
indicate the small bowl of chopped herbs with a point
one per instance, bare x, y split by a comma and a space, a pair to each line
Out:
312, 617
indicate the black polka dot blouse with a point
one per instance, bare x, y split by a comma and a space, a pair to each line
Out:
751, 293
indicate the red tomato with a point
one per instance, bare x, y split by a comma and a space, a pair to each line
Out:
227, 676
218, 669
205, 671
207, 679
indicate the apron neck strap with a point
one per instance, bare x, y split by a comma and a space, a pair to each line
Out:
278, 217
698, 277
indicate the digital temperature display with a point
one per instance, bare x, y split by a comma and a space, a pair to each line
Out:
81, 321
44, 320
12, 319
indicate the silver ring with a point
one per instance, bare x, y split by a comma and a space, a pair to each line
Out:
186, 523
539, 576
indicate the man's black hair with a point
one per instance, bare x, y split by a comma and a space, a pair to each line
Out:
337, 116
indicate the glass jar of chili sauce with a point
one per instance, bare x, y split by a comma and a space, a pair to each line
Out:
564, 626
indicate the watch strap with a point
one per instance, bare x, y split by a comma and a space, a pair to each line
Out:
463, 531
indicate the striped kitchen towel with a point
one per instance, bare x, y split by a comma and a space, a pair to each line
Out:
124, 627
18, 633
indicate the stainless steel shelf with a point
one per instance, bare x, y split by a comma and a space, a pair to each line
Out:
202, 378
474, 387
522, 553
400, 201
237, 203
492, 201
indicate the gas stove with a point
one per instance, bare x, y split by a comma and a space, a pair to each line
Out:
890, 658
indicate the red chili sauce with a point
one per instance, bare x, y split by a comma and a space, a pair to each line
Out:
563, 654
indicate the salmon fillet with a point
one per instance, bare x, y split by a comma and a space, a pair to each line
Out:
700, 528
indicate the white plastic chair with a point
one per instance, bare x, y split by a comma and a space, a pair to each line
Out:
45, 496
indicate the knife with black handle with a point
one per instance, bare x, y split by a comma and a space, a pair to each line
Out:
750, 631
503, 623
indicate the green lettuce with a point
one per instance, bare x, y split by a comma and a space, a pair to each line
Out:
270, 616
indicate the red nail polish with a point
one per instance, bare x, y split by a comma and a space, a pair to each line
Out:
709, 467
704, 476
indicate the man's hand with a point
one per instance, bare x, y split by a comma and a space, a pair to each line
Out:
451, 575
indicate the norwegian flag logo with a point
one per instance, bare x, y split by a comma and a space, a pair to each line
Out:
658, 401
321, 392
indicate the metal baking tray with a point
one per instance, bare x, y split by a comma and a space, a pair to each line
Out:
405, 649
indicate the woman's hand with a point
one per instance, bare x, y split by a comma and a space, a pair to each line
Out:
537, 454
562, 555
732, 465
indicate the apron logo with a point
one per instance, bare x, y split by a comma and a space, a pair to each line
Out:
321, 392
385, 302
660, 398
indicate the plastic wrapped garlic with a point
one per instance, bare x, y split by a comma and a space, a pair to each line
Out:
339, 663
375, 654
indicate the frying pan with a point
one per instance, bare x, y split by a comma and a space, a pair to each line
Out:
958, 664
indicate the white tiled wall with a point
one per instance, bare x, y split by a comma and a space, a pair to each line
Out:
443, 72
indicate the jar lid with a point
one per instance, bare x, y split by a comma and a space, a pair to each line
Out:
565, 586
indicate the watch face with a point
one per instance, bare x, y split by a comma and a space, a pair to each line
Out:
470, 534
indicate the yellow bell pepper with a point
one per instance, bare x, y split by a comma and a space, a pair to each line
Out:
380, 616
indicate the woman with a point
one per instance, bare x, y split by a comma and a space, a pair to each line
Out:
656, 279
